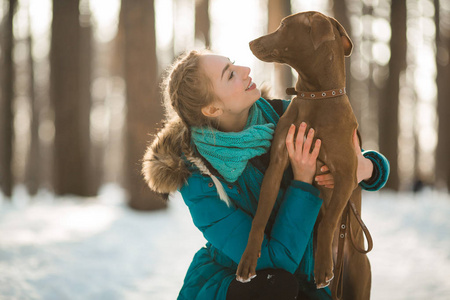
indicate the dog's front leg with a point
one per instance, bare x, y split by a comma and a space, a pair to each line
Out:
279, 160
268, 195
344, 184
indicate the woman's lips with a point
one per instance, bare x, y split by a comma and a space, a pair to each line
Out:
250, 86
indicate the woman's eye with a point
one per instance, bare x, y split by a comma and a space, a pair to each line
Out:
231, 75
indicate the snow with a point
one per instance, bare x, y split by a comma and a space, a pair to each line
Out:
97, 248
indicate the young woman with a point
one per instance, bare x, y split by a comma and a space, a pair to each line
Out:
214, 150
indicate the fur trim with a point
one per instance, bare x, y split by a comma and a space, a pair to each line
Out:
163, 167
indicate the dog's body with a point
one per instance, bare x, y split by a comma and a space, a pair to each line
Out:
315, 46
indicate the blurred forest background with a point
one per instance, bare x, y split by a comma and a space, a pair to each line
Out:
79, 83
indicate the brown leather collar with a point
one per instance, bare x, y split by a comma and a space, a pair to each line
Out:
316, 95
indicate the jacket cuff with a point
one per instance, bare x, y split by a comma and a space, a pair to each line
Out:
305, 187
380, 172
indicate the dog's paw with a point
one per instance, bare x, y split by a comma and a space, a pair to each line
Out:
323, 272
247, 266
323, 278
322, 283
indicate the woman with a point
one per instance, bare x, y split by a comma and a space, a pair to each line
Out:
214, 150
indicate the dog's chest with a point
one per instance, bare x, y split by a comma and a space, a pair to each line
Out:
326, 114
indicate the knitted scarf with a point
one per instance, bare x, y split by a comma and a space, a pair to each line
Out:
229, 152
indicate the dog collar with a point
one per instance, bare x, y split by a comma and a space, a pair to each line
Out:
316, 95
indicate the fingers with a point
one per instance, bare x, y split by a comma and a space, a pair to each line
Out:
315, 152
290, 140
324, 169
308, 141
326, 180
299, 146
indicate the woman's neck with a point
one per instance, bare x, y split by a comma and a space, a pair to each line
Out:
232, 122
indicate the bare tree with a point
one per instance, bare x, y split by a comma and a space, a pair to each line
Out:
278, 9
202, 22
32, 178
341, 14
71, 174
389, 102
443, 95
144, 109
93, 167
6, 100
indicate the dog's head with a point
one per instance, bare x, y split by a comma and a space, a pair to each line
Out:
303, 39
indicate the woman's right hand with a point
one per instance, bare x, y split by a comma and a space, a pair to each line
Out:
303, 160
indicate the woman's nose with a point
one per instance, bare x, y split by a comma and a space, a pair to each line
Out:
245, 71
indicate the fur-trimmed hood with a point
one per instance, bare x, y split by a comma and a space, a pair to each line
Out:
163, 167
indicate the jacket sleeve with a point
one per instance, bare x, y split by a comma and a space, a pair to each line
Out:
380, 172
227, 228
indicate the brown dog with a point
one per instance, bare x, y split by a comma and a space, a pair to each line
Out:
315, 46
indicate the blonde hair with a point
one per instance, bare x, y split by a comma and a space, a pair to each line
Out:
187, 89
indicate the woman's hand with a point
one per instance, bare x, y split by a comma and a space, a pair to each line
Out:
326, 179
365, 165
303, 160
364, 171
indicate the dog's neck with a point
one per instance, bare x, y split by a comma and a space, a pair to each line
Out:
320, 76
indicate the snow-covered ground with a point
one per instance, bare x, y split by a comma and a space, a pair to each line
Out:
97, 248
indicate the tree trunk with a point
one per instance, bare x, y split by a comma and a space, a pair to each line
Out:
144, 108
443, 104
202, 22
340, 14
388, 105
32, 178
93, 168
6, 100
71, 144
278, 9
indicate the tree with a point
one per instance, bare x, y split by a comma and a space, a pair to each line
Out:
71, 171
389, 102
202, 23
341, 15
144, 108
278, 9
6, 100
32, 179
442, 165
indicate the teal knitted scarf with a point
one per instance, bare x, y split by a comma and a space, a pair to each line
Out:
229, 152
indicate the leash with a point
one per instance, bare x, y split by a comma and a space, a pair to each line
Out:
338, 282
316, 95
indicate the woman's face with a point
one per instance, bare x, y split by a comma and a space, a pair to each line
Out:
231, 83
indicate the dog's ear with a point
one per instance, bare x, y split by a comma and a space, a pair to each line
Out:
346, 41
321, 30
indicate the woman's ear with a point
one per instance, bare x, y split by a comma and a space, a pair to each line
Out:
211, 111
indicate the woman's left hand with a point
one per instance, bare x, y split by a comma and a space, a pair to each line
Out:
364, 171
365, 165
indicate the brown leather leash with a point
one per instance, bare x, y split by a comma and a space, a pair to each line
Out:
338, 282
